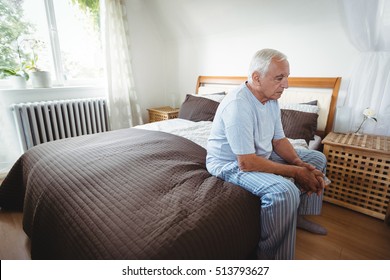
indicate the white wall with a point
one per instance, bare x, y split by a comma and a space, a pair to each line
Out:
219, 37
147, 51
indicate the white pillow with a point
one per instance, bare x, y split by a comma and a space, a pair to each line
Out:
211, 90
300, 107
215, 97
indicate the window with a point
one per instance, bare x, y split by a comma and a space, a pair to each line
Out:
63, 36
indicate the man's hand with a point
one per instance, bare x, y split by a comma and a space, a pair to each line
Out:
310, 179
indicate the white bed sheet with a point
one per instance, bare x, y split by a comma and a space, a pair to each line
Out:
199, 132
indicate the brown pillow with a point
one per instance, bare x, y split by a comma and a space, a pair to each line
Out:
299, 125
197, 109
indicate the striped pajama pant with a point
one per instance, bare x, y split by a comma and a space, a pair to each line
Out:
281, 201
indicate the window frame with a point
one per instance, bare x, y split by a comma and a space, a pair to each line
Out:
55, 43
58, 66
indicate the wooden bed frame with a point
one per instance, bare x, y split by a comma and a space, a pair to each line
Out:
294, 82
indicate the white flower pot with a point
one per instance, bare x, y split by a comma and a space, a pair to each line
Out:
17, 82
40, 79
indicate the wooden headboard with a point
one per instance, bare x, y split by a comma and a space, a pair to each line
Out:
332, 84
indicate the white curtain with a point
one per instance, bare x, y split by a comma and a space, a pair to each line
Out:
123, 105
368, 27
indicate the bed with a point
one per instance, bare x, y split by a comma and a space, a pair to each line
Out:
144, 192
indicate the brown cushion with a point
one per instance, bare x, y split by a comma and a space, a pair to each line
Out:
198, 109
299, 125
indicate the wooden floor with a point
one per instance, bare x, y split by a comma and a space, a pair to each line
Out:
351, 236
14, 243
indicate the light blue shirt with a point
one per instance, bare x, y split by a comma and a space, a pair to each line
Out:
242, 125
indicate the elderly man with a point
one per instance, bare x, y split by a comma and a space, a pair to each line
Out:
247, 147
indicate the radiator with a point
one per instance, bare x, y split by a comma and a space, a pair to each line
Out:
46, 121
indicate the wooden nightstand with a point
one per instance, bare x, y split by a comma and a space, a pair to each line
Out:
359, 168
162, 113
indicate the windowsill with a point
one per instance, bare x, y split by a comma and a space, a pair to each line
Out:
13, 96
69, 85
69, 91
54, 88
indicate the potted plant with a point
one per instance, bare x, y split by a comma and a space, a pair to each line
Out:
17, 76
39, 78
15, 72
24, 66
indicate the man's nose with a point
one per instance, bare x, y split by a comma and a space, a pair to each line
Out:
285, 83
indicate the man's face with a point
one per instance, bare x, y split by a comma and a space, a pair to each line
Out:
275, 81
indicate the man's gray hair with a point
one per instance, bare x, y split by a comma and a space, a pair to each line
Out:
261, 61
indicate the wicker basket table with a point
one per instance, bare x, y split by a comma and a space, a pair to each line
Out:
359, 168
162, 113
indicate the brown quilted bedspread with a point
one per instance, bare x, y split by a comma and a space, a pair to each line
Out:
129, 194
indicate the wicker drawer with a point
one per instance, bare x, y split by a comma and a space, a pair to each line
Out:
162, 113
359, 166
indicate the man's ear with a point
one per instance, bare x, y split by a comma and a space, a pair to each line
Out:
256, 78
